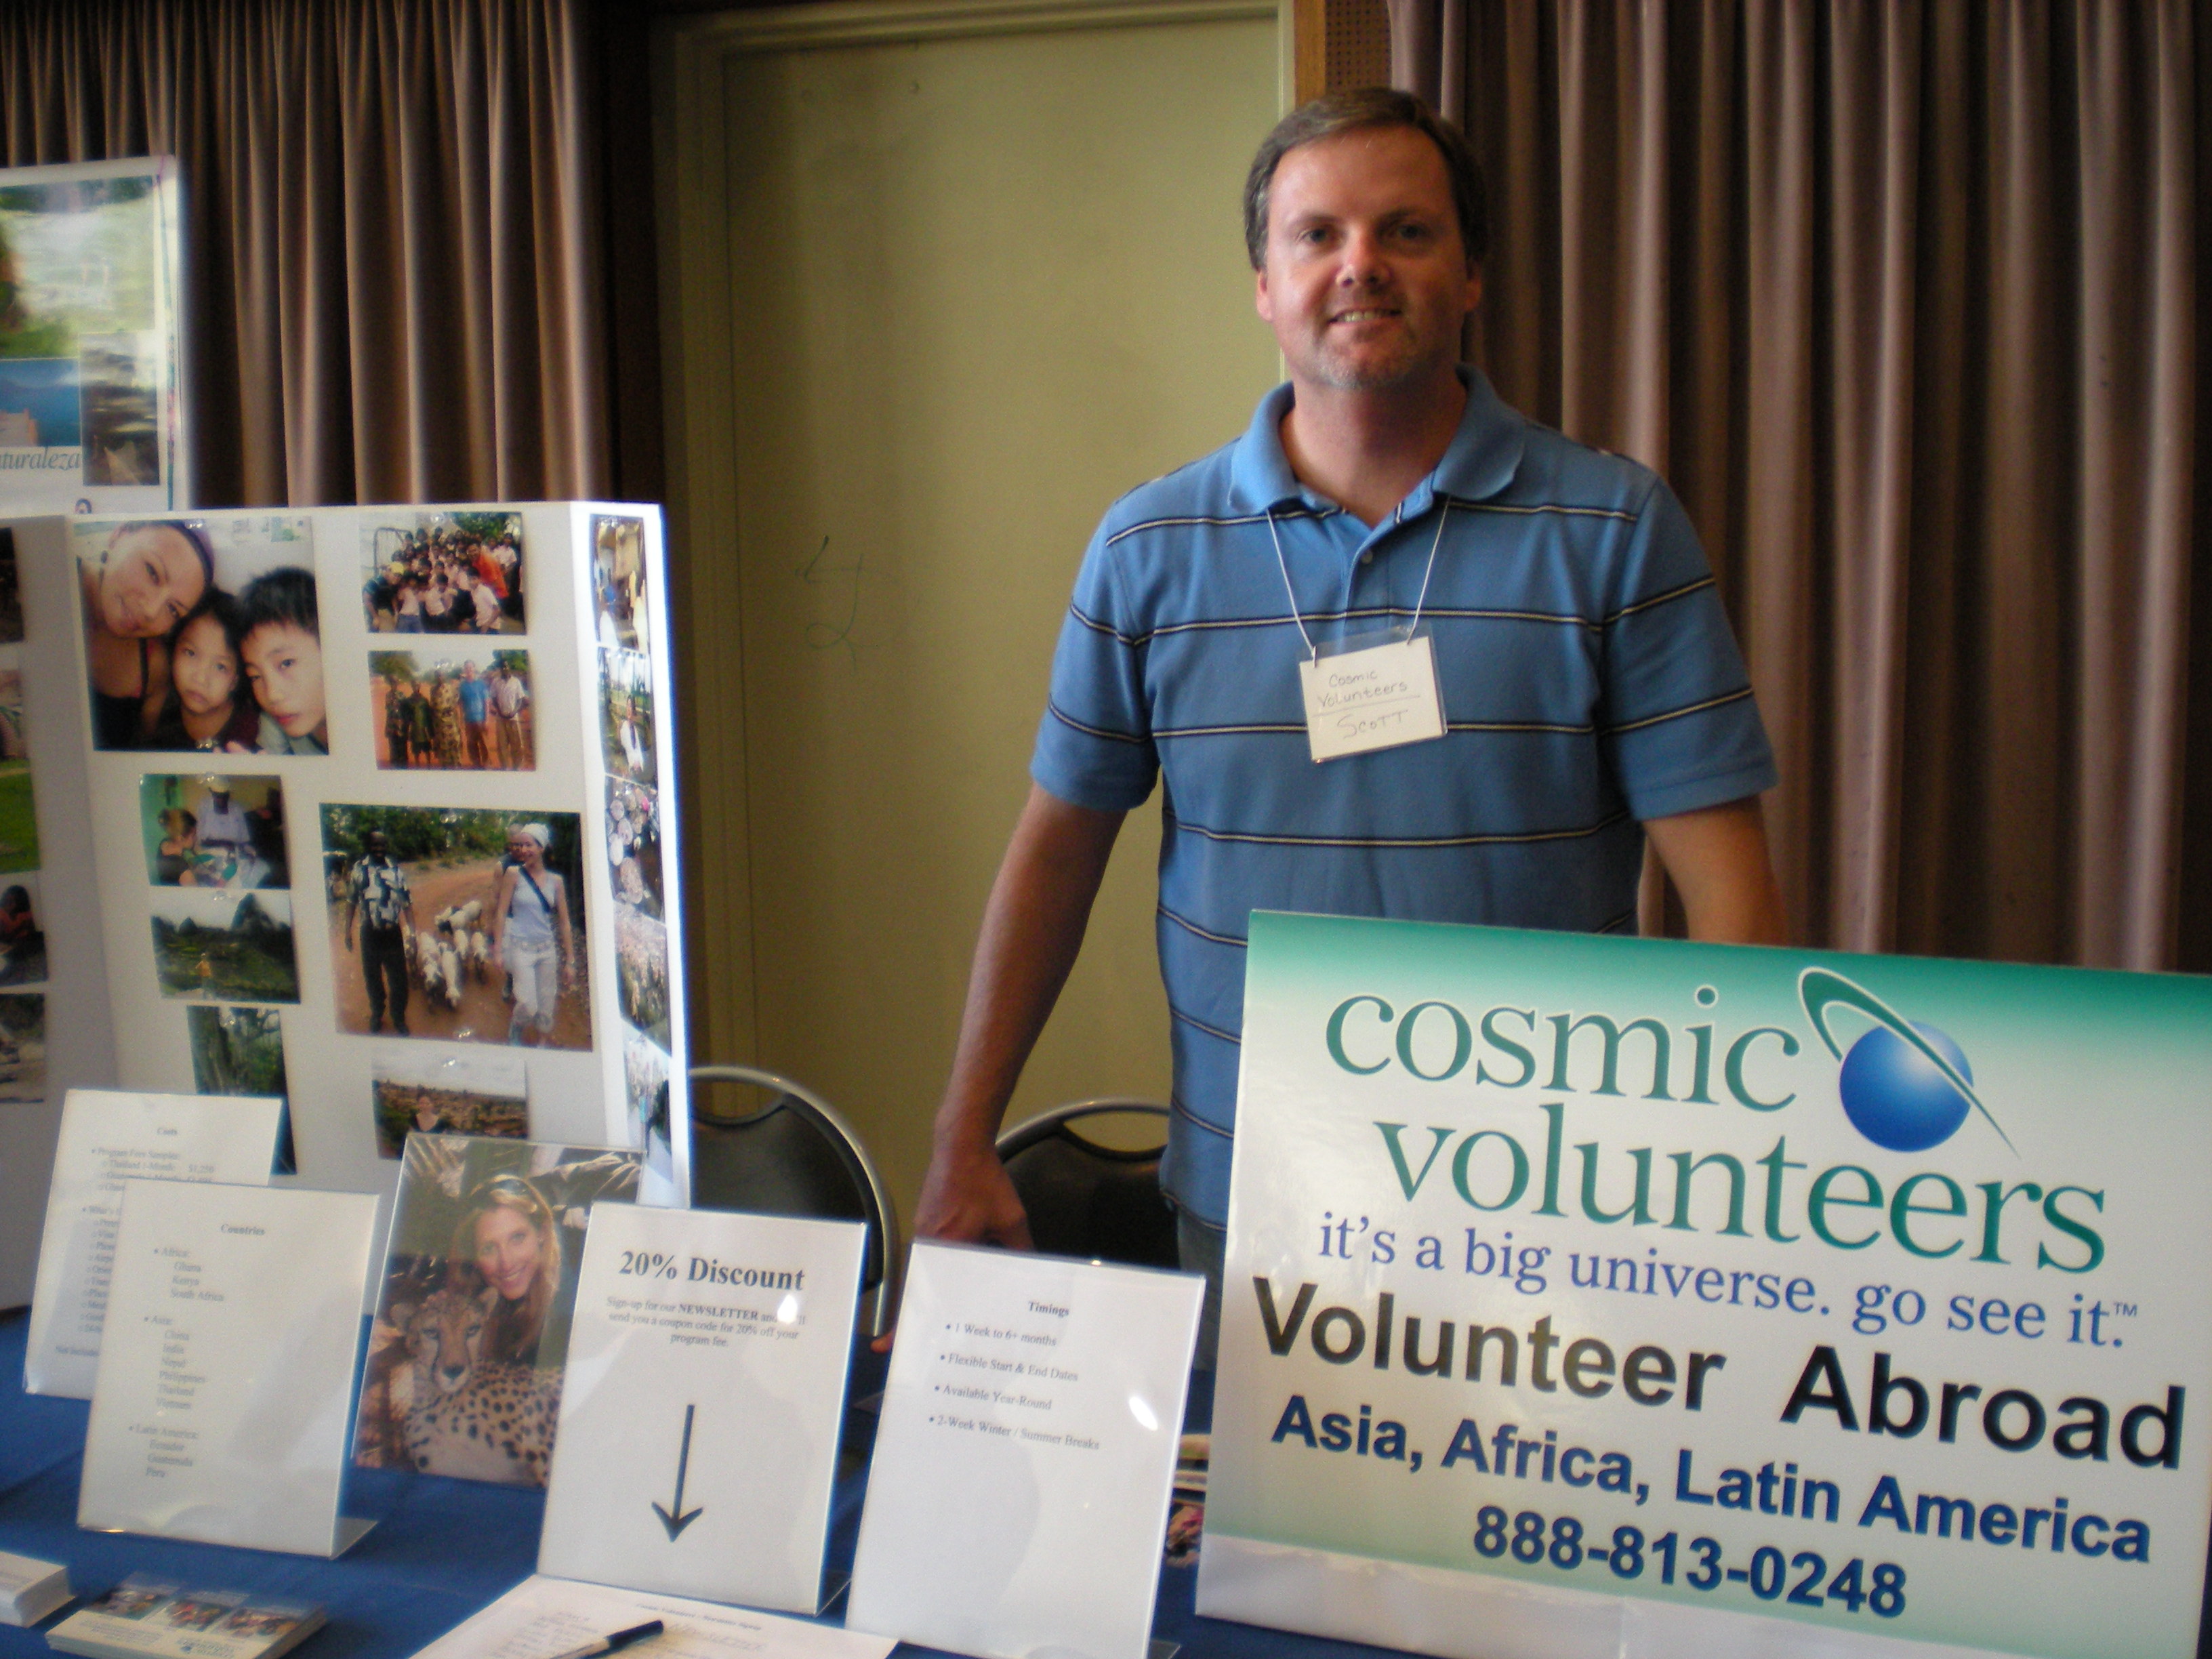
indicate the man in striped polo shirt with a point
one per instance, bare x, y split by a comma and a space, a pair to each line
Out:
1591, 693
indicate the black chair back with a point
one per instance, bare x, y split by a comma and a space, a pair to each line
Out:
797, 1157
1084, 1199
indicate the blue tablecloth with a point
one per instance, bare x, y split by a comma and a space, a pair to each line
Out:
443, 1549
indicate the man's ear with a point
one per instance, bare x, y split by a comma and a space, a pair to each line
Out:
1474, 287
1261, 302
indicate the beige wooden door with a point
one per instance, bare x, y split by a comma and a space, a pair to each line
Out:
947, 283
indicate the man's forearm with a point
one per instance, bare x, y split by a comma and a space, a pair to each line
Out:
1718, 860
1033, 927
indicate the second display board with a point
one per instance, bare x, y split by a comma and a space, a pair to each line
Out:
380, 803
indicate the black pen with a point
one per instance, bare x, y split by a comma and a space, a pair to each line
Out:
620, 1638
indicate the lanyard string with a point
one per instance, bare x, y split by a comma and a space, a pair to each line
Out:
1313, 652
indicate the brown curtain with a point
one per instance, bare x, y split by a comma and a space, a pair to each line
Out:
391, 265
1901, 296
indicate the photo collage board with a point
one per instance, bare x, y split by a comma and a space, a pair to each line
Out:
352, 778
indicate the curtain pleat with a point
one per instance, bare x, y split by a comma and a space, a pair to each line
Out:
1901, 297
391, 275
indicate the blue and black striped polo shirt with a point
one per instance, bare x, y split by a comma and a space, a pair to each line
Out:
1590, 681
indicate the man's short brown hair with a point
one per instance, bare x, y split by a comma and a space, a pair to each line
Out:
1349, 111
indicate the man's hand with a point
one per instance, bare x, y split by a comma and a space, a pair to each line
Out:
1032, 928
1719, 861
967, 1198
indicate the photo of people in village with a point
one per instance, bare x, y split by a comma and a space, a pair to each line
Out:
19, 816
425, 1091
465, 705
217, 946
618, 594
444, 573
626, 714
22, 1045
213, 830
204, 633
472, 1317
459, 923
23, 940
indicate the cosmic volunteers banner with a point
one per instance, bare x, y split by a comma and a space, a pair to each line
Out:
1594, 1295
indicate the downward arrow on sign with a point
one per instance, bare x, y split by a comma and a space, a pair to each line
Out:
673, 1517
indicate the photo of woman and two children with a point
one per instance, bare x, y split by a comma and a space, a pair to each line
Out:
203, 635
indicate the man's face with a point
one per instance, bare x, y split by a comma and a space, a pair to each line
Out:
1365, 281
376, 844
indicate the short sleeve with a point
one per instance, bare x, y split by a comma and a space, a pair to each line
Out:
1094, 746
1681, 725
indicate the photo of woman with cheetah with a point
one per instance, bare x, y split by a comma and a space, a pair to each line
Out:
463, 1373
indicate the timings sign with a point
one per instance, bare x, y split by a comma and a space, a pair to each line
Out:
1594, 1295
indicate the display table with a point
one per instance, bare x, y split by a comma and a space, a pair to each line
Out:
443, 1549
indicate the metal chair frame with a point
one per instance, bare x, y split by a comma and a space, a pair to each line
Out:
1032, 1132
841, 1135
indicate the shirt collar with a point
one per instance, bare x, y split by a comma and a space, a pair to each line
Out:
1481, 460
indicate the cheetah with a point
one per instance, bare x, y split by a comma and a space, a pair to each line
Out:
479, 1419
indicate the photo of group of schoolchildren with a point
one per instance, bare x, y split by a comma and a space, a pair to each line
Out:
204, 633
478, 1293
213, 830
459, 923
467, 708
444, 573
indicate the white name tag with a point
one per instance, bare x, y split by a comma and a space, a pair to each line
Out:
1376, 698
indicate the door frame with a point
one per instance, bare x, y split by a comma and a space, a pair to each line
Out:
699, 370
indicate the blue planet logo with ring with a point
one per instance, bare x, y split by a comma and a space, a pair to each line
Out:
1905, 1086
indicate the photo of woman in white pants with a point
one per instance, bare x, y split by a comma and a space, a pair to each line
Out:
531, 936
